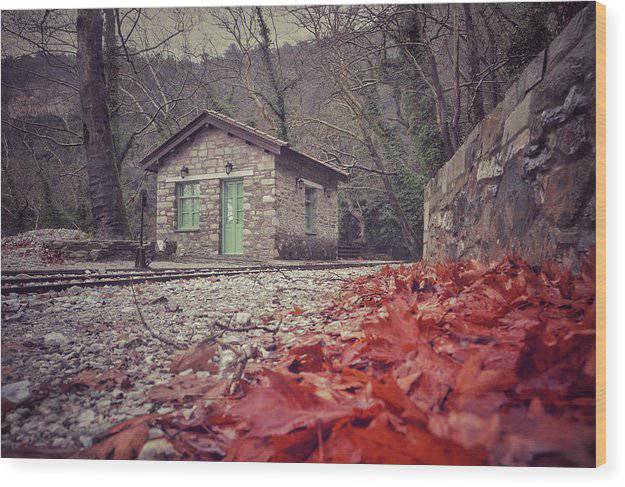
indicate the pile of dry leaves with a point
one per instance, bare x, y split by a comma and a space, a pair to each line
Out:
456, 363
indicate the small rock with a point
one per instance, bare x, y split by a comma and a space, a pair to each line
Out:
334, 328
232, 340
187, 412
17, 392
94, 348
155, 433
85, 418
347, 335
55, 339
242, 318
133, 396
158, 449
85, 441
59, 442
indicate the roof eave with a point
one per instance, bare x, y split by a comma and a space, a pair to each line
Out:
206, 120
342, 175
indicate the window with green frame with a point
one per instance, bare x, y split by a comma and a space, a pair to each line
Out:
188, 204
309, 210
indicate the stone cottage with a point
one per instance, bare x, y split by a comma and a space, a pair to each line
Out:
225, 188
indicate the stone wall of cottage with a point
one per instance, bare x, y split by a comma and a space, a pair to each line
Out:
207, 153
292, 240
523, 183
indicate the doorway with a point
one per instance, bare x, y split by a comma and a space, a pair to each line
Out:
232, 216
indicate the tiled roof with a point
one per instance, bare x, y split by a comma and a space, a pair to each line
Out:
249, 128
250, 134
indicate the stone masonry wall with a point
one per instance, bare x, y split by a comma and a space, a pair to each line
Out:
93, 250
208, 153
523, 183
292, 241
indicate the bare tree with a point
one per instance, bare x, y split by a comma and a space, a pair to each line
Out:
107, 204
253, 33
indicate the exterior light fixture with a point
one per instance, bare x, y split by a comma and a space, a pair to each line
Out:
228, 167
327, 192
184, 171
299, 183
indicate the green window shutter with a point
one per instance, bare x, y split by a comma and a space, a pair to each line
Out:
309, 210
188, 204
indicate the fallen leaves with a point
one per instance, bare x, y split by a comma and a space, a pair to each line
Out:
99, 381
457, 363
181, 388
198, 358
124, 441
293, 405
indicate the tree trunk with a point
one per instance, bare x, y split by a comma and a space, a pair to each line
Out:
410, 239
358, 216
107, 207
277, 102
477, 108
111, 75
432, 79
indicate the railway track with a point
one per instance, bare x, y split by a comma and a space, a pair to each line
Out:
41, 281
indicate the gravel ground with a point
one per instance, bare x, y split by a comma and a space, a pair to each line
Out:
48, 339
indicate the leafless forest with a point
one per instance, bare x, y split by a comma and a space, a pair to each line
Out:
388, 91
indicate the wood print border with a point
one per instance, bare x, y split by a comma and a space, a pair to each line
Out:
601, 234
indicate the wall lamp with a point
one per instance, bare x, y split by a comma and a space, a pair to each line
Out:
184, 171
228, 167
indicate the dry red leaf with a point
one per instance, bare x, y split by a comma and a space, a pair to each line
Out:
307, 358
99, 381
198, 358
181, 388
124, 441
292, 405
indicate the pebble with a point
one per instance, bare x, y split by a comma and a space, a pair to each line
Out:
85, 418
158, 449
55, 339
17, 392
85, 441
242, 319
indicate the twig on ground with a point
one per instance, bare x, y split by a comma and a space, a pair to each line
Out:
238, 365
248, 328
167, 341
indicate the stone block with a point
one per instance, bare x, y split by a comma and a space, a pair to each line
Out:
532, 75
518, 120
489, 168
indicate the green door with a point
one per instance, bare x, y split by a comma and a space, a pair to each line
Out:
232, 217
